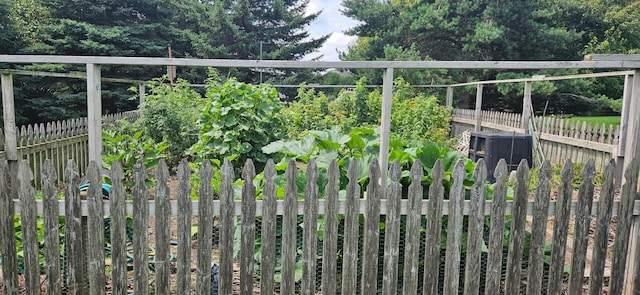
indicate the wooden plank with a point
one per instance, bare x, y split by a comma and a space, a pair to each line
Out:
9, 117
478, 112
289, 226
526, 106
310, 230
539, 230
414, 225
224, 63
7, 229
162, 224
248, 230
28, 223
623, 228
475, 235
94, 112
454, 231
330, 238
392, 231
183, 229
516, 232
76, 254
433, 230
117, 198
95, 221
612, 57
351, 225
369, 280
268, 230
601, 235
496, 232
560, 230
227, 223
205, 230
140, 230
581, 231
385, 123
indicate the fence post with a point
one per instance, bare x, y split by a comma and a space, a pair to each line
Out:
631, 149
526, 106
619, 152
478, 113
94, 113
385, 128
141, 92
8, 114
449, 100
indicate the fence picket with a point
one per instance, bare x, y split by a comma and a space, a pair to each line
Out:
516, 232
351, 225
601, 235
560, 230
227, 223
496, 232
372, 232
454, 231
392, 231
330, 241
205, 229
248, 231
623, 228
289, 225
183, 228
28, 223
433, 230
414, 224
95, 221
269, 223
162, 225
475, 229
141, 230
75, 229
581, 231
539, 230
7, 229
118, 219
310, 230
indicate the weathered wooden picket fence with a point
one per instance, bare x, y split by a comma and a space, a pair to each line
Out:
560, 139
58, 141
342, 247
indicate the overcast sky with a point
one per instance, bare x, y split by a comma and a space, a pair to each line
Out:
330, 21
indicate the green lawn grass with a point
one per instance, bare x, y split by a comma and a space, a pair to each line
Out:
607, 120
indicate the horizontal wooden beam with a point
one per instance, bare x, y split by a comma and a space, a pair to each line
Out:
548, 78
612, 57
322, 207
230, 63
77, 75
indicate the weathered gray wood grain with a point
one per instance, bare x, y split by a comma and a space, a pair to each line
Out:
392, 231
330, 241
516, 234
51, 232
248, 231
76, 252
414, 224
496, 231
601, 235
162, 226
95, 243
623, 227
140, 230
560, 230
539, 230
310, 230
581, 231
29, 223
227, 223
371, 237
205, 229
117, 198
454, 231
433, 230
269, 225
183, 219
7, 229
289, 226
351, 227
475, 229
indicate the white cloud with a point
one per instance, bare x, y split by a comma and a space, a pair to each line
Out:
331, 21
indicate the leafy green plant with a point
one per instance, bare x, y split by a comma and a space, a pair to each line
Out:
237, 120
127, 145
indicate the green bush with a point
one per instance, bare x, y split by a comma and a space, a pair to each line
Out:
237, 120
